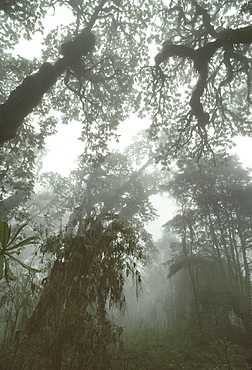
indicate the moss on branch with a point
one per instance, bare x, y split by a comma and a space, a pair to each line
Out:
28, 95
201, 57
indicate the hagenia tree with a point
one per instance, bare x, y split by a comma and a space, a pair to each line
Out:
214, 227
202, 77
91, 82
205, 58
99, 213
102, 80
96, 70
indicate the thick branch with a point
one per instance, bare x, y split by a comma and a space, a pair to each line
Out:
201, 58
28, 95
206, 19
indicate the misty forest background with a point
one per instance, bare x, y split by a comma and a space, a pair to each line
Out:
83, 285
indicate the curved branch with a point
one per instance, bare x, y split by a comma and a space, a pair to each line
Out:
206, 19
201, 57
28, 95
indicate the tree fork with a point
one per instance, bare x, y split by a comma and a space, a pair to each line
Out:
201, 57
28, 95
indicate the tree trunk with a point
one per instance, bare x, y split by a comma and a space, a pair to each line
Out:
28, 95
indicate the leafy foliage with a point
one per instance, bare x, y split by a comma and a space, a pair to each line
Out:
70, 326
8, 249
149, 347
204, 59
214, 226
92, 222
247, 7
102, 210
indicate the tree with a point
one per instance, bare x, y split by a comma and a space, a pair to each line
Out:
97, 90
88, 78
98, 242
201, 43
214, 224
96, 70
104, 86
207, 51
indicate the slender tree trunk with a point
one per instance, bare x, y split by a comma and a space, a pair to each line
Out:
193, 286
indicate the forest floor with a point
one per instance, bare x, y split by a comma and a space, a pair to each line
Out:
154, 351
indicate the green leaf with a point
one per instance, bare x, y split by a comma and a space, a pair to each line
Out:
30, 240
4, 233
24, 264
8, 273
16, 234
1, 265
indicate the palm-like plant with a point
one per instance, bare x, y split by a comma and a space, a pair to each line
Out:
8, 247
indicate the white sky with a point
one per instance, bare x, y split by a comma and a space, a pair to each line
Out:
244, 150
65, 146
32, 48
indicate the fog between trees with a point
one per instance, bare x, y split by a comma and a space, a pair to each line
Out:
83, 284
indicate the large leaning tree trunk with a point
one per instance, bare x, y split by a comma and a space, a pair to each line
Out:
28, 95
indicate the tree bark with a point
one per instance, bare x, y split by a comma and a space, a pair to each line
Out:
201, 57
28, 95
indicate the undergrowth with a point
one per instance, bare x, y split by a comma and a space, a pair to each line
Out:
156, 349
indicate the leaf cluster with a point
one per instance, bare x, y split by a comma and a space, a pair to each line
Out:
8, 249
214, 228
